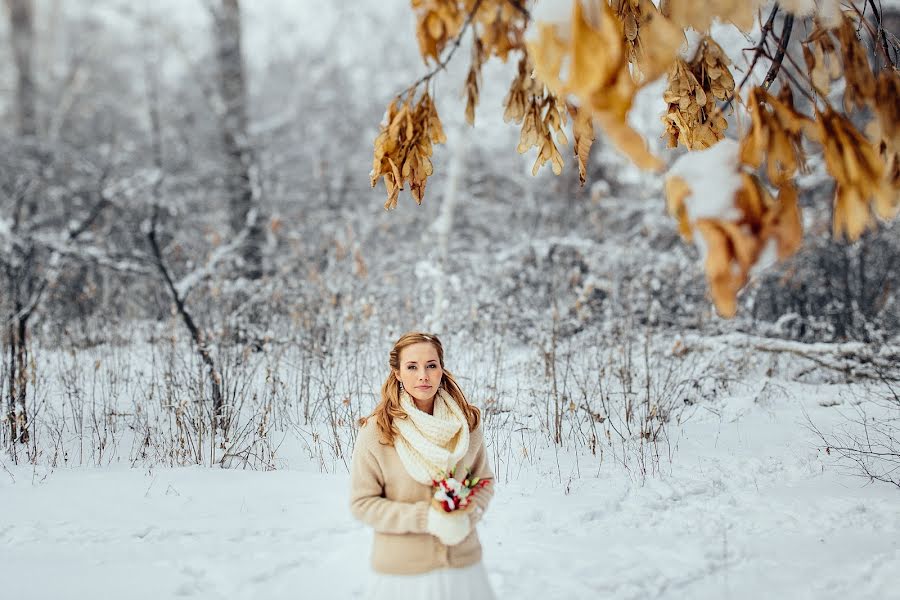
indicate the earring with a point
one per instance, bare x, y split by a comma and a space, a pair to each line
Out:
401, 386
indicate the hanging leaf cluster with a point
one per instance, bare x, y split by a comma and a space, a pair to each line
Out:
541, 116
756, 223
775, 135
582, 73
411, 127
693, 119
699, 14
403, 148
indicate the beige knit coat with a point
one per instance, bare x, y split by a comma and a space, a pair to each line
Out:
385, 497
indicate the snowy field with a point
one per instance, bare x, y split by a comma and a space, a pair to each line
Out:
749, 507
745, 503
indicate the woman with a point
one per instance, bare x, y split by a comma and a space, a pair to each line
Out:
422, 428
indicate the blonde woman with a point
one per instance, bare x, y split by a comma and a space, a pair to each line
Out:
422, 428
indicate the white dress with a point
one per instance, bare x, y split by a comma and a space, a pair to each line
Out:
467, 583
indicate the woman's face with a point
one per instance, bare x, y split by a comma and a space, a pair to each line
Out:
420, 370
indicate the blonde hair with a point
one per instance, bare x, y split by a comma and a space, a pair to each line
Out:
389, 408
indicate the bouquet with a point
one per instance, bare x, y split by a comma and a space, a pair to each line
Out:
452, 493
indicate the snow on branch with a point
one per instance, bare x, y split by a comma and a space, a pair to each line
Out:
856, 360
187, 283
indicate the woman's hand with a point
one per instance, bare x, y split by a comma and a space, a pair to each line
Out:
449, 527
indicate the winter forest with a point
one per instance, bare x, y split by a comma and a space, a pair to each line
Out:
658, 240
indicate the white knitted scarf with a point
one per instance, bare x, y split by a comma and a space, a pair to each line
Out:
431, 445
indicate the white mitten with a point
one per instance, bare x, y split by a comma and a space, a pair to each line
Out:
449, 527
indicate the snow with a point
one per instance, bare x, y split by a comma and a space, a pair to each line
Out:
558, 12
768, 256
830, 13
713, 177
800, 8
749, 507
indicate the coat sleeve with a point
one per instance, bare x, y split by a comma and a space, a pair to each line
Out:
367, 501
482, 469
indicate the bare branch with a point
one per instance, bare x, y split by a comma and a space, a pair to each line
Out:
102, 203
757, 52
197, 335
187, 283
880, 35
442, 64
779, 55
855, 360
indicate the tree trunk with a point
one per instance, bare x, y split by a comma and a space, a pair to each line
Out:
11, 398
848, 320
442, 230
241, 176
21, 17
17, 388
22, 378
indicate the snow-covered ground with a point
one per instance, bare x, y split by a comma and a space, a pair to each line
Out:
749, 507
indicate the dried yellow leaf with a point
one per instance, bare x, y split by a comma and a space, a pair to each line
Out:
859, 171
775, 135
438, 22
473, 80
822, 60
499, 27
677, 190
583, 131
403, 147
733, 246
857, 72
693, 118
596, 72
699, 14
784, 224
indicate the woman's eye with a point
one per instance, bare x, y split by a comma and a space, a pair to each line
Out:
432, 366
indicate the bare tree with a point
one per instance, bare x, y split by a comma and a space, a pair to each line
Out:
241, 167
21, 17
22, 287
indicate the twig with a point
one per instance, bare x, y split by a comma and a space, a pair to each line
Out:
882, 42
102, 203
443, 63
873, 464
888, 454
803, 73
518, 6
802, 89
57, 249
757, 52
779, 55
187, 283
197, 335
3, 464
24, 313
